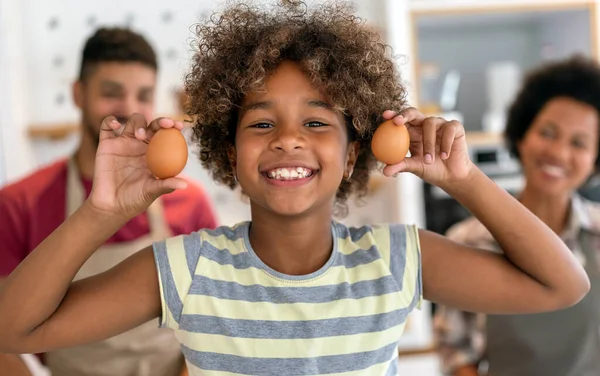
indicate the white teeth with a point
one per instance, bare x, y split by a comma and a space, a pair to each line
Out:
555, 171
289, 173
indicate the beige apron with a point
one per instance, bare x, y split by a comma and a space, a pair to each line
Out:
144, 351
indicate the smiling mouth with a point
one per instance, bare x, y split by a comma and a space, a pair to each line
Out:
554, 171
289, 173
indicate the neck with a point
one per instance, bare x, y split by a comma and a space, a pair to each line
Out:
553, 210
293, 246
85, 156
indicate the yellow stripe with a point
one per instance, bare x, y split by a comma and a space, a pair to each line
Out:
195, 371
346, 246
241, 310
381, 235
291, 348
378, 369
169, 319
253, 276
178, 264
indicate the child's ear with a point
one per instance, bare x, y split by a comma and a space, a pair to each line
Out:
351, 157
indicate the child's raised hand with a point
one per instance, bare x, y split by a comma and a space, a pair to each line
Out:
123, 185
438, 149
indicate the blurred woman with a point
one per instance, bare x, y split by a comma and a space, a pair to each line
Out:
553, 128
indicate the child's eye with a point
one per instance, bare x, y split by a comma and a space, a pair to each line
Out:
315, 124
262, 125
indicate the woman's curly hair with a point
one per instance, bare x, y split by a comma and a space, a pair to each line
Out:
238, 48
577, 78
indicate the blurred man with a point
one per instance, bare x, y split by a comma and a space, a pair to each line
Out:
117, 77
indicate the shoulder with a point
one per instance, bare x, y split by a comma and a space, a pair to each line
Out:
32, 186
222, 237
396, 244
589, 213
377, 234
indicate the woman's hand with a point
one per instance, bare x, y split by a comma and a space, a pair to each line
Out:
123, 185
438, 149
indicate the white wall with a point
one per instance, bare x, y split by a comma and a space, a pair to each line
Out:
16, 154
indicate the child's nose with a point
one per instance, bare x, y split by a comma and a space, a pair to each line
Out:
288, 138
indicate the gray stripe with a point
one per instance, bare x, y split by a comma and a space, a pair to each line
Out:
312, 294
354, 233
169, 290
398, 252
229, 232
393, 370
270, 329
244, 260
358, 257
224, 257
192, 245
419, 288
290, 366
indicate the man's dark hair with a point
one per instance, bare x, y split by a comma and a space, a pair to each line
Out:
116, 45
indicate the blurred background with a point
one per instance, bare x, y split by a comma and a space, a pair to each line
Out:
462, 60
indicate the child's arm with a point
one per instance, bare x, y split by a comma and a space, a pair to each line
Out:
537, 271
40, 309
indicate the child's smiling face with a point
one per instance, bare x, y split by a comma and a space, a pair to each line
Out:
291, 148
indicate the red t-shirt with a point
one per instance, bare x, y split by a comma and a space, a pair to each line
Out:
32, 208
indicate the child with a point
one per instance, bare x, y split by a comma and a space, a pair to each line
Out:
285, 103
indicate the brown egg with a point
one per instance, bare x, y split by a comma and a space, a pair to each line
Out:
390, 142
167, 153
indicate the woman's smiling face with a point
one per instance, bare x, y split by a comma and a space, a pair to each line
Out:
559, 150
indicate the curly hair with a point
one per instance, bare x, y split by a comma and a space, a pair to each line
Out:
238, 48
577, 78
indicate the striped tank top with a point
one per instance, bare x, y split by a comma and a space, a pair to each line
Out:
234, 315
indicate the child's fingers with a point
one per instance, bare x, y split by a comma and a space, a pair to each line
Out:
388, 114
160, 187
136, 127
409, 164
412, 115
159, 123
430, 126
110, 125
448, 133
399, 120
